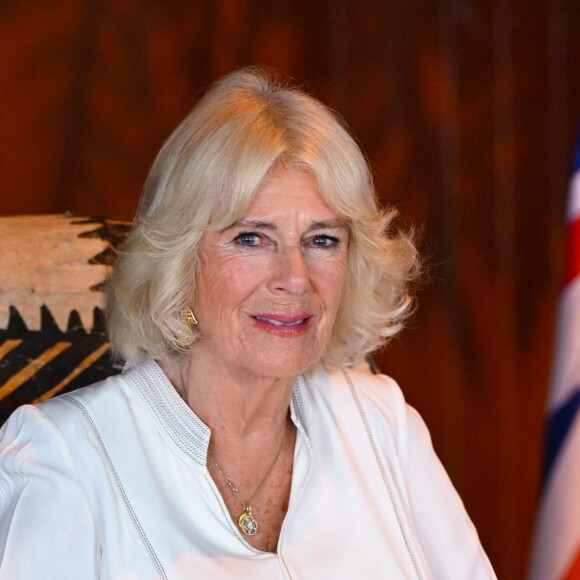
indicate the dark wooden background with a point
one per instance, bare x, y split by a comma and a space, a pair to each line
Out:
468, 112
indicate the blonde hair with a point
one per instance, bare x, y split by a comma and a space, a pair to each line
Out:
205, 177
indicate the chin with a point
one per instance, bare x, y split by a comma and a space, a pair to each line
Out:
286, 369
279, 358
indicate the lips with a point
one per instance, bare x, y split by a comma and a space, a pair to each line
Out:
276, 322
283, 325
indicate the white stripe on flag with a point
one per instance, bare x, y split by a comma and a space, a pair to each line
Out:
573, 209
566, 366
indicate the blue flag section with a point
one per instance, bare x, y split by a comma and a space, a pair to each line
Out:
558, 427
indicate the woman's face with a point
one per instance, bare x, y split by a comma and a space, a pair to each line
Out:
270, 285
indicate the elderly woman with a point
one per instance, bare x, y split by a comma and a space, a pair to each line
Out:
239, 442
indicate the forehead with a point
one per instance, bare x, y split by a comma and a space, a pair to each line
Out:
287, 192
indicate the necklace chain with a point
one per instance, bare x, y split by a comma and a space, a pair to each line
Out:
246, 521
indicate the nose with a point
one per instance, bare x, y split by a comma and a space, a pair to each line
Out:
290, 273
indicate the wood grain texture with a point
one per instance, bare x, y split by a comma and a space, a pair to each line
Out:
467, 111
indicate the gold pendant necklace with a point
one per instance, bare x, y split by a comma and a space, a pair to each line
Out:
247, 521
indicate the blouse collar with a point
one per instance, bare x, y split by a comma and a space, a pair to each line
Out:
187, 431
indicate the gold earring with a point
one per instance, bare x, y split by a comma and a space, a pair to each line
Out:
188, 318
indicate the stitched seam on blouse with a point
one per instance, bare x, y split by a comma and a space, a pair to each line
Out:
298, 407
176, 420
162, 417
383, 471
298, 402
119, 486
78, 477
4, 502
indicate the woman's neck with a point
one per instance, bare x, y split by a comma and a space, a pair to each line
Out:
251, 434
235, 405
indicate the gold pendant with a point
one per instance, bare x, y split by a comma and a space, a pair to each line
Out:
247, 521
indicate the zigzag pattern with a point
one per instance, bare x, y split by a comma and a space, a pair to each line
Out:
37, 365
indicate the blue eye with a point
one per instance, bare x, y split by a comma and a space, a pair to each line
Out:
247, 239
324, 241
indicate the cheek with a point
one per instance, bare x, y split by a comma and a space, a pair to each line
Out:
330, 279
227, 281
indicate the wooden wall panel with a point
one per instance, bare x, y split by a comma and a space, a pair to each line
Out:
467, 111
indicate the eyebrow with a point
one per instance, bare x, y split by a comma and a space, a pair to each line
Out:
263, 225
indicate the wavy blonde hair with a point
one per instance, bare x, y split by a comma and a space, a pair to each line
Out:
205, 177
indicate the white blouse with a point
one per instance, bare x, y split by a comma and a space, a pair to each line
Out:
111, 482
